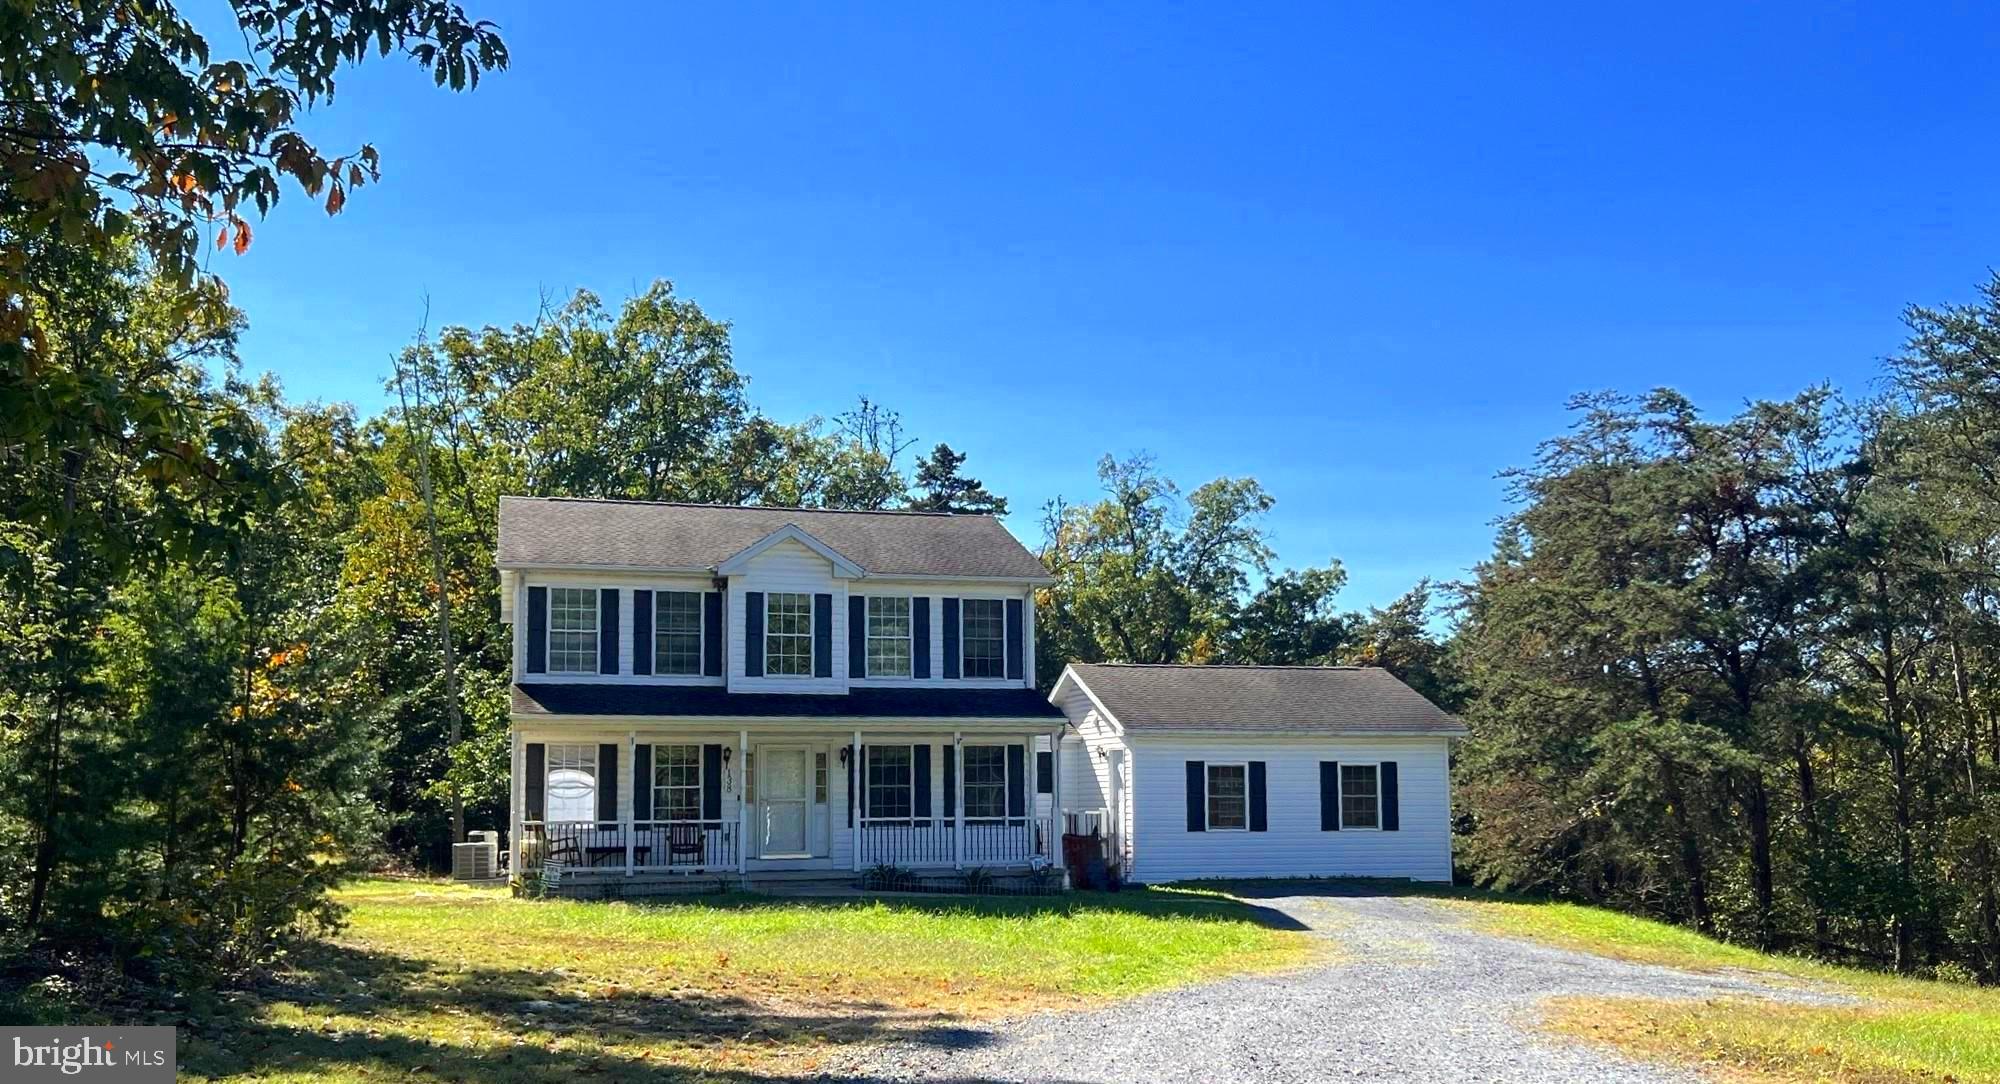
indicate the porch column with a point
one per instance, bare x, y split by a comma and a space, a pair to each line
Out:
958, 800
743, 807
1032, 803
860, 785
515, 796
1057, 824
631, 799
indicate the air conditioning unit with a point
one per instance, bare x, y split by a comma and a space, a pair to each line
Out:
475, 861
485, 837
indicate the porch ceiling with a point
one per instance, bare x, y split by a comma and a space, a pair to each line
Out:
540, 700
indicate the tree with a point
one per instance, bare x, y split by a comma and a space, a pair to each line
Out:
1292, 621
117, 127
946, 489
1146, 575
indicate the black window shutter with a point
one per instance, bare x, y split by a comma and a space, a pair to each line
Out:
711, 782
850, 793
951, 638
711, 633
1392, 815
920, 637
1017, 781
822, 635
642, 633
607, 631
1045, 773
753, 633
920, 774
857, 636
538, 760
950, 780
538, 630
1329, 796
607, 782
1259, 816
1197, 797
642, 782
1014, 652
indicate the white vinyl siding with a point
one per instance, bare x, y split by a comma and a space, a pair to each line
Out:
573, 630
1294, 846
888, 636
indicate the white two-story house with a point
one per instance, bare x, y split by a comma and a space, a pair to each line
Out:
709, 690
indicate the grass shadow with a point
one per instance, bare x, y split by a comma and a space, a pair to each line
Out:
1197, 904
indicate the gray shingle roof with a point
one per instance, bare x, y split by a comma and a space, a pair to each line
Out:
1263, 699
581, 698
548, 531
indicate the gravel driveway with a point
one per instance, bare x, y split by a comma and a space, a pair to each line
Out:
1417, 994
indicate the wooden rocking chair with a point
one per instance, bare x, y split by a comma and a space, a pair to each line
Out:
687, 841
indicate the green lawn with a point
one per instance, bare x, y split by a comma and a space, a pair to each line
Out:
1905, 1029
433, 981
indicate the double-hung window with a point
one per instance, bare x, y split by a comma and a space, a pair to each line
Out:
1228, 797
983, 638
570, 787
888, 637
889, 782
1360, 796
677, 782
677, 632
788, 635
985, 782
572, 630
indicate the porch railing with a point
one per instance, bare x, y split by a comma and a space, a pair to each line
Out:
936, 841
655, 845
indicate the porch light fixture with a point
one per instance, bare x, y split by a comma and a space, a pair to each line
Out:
727, 752
843, 755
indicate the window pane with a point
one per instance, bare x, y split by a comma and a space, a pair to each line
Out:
1358, 807
573, 630
889, 781
888, 637
570, 788
677, 782
985, 781
677, 632
1228, 804
984, 636
788, 638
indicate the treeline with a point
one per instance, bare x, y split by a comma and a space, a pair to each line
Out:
1745, 672
221, 675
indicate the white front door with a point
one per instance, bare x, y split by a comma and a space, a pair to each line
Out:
784, 789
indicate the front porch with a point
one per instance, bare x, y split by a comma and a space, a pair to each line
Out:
634, 812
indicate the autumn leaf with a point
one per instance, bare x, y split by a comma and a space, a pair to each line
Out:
335, 199
242, 237
222, 235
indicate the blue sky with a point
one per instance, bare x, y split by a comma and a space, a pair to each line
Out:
1361, 254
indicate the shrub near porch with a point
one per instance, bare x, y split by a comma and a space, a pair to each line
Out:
467, 982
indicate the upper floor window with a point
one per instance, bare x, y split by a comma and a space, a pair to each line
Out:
984, 638
572, 630
677, 632
788, 634
888, 637
677, 782
570, 788
985, 781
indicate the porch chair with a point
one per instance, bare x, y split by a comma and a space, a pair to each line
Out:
688, 841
